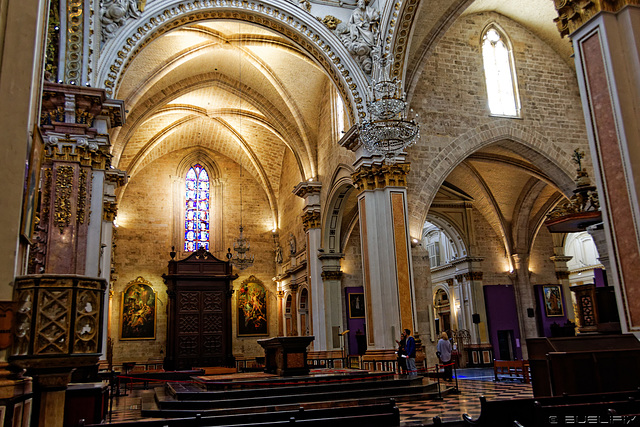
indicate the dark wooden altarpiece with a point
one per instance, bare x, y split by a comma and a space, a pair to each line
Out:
199, 319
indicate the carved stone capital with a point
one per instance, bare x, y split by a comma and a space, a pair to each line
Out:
86, 151
372, 177
307, 188
572, 14
293, 287
562, 275
116, 176
473, 275
331, 275
311, 220
109, 210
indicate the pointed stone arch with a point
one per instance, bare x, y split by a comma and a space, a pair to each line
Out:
280, 16
544, 153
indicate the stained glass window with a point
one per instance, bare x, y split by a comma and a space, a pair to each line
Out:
499, 74
196, 221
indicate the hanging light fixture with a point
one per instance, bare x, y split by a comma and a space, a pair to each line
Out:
241, 246
387, 131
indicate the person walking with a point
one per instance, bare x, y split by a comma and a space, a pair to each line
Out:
410, 349
443, 351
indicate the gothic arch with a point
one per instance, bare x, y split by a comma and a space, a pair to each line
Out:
545, 154
335, 208
456, 237
280, 16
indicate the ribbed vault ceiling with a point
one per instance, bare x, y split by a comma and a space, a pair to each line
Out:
239, 89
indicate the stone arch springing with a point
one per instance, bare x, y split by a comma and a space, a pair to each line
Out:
278, 15
547, 155
334, 211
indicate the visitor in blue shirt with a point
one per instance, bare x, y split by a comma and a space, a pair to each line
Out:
410, 349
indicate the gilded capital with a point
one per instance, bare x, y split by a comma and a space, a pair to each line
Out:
572, 14
110, 210
377, 176
311, 220
331, 275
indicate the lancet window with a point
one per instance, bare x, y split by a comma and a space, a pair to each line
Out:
197, 197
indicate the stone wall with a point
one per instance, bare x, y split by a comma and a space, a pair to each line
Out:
145, 220
451, 101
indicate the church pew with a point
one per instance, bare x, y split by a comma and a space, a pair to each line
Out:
376, 414
538, 411
501, 413
514, 369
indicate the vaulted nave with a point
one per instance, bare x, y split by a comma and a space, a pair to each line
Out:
282, 185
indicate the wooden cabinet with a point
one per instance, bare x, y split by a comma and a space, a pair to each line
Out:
199, 318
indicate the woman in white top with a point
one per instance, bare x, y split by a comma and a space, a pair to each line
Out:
444, 353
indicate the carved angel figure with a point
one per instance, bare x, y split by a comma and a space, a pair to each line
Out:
359, 34
115, 13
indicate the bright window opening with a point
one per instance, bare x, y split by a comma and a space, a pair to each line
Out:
499, 74
196, 222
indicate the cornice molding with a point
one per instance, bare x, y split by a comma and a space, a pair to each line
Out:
376, 176
573, 14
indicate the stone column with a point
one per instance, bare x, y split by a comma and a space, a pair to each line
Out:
562, 274
386, 254
294, 309
605, 38
311, 221
524, 300
332, 281
280, 313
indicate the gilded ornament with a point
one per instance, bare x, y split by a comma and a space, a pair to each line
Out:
573, 14
311, 220
82, 196
585, 196
331, 275
73, 56
64, 188
46, 194
379, 176
110, 210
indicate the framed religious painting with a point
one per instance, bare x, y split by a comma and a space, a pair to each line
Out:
356, 306
138, 319
252, 308
552, 298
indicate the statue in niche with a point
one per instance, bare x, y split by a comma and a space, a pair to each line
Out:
279, 254
359, 34
292, 244
115, 13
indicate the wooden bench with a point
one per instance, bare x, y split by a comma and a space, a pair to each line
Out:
546, 410
383, 414
515, 369
501, 413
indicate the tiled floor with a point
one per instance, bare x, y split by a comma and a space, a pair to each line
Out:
472, 384
452, 406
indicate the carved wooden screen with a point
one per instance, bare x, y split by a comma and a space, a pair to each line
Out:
199, 331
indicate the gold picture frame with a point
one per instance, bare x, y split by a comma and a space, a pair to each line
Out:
552, 300
252, 308
138, 311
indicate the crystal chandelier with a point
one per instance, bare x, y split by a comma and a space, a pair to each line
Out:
241, 246
387, 131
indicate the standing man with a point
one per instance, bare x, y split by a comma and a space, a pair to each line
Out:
410, 349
